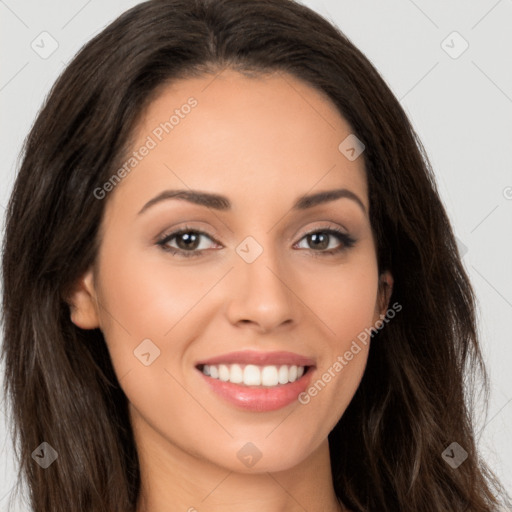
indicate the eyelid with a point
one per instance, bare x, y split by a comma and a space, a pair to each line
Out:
170, 234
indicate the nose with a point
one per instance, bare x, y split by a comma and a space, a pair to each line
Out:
262, 293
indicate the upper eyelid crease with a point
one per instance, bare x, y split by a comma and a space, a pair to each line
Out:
333, 226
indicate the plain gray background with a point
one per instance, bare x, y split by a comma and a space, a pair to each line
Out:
459, 100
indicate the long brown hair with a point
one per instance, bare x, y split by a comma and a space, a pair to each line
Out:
416, 396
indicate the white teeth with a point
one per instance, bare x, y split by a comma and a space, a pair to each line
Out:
223, 372
269, 376
252, 375
236, 375
283, 374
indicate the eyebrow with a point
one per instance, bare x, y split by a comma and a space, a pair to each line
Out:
222, 203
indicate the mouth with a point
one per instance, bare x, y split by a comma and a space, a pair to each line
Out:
257, 381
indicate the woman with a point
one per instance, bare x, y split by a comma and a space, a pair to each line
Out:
310, 352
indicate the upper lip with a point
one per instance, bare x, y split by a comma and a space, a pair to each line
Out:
259, 358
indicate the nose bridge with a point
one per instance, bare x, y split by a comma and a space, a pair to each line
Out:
263, 292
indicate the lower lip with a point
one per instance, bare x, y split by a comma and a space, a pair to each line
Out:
259, 399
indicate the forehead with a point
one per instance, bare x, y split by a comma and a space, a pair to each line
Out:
265, 137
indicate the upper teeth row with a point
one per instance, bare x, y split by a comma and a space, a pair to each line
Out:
252, 375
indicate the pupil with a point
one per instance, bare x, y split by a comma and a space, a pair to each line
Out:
188, 237
315, 237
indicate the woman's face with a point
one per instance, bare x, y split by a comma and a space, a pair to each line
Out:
265, 286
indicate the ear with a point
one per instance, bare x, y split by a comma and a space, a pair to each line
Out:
83, 302
384, 294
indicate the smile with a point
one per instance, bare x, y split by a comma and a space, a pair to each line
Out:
253, 375
257, 381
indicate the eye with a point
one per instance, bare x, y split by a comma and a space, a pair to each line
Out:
188, 241
320, 239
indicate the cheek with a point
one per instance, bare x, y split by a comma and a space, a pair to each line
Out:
354, 309
346, 305
344, 298
147, 299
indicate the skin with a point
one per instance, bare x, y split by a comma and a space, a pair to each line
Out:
262, 142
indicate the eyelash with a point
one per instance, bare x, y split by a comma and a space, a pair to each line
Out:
347, 242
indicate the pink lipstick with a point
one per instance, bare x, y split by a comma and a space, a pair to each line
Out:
257, 381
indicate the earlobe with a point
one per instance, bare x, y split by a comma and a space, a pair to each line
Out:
83, 303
